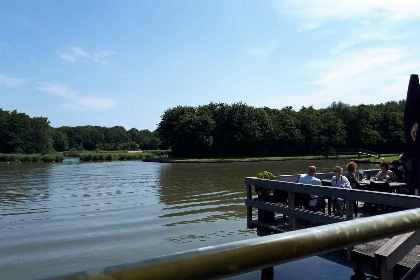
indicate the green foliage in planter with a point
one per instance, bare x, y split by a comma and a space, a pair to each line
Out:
264, 175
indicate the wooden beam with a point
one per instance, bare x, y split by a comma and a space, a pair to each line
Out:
298, 213
413, 273
391, 199
397, 248
291, 205
249, 208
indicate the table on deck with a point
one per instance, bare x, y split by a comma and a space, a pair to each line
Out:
380, 186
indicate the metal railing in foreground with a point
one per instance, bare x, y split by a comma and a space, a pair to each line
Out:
236, 258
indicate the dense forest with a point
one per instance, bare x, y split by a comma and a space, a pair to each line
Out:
242, 130
222, 130
19, 133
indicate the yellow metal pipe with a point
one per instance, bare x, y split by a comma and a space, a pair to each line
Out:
239, 257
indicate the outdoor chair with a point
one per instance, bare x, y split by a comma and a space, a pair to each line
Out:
302, 200
379, 186
327, 183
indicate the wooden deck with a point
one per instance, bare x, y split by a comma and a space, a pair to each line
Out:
274, 217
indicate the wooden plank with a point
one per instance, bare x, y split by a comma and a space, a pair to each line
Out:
391, 199
349, 210
248, 208
398, 247
298, 213
413, 274
291, 206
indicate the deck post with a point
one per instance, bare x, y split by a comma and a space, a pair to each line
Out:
394, 251
349, 209
349, 216
249, 208
267, 273
384, 272
291, 204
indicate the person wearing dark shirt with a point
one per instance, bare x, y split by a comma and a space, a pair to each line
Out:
351, 172
396, 171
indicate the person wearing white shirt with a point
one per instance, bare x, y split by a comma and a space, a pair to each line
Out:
309, 178
339, 181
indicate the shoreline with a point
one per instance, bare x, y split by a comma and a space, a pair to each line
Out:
160, 160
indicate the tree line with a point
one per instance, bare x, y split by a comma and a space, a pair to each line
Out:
19, 133
219, 129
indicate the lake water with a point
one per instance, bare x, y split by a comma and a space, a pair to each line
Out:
65, 217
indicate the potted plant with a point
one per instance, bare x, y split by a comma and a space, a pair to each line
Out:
265, 195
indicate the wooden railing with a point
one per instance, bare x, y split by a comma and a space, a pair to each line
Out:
350, 195
386, 257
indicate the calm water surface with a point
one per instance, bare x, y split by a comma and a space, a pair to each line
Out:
66, 217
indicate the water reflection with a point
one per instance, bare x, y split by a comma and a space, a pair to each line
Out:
201, 193
121, 211
23, 187
208, 192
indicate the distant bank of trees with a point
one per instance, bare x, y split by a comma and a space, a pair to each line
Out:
239, 129
102, 138
222, 130
19, 133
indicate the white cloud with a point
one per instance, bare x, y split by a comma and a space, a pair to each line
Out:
57, 89
77, 101
264, 51
349, 9
77, 53
95, 102
371, 56
308, 26
10, 81
374, 75
67, 57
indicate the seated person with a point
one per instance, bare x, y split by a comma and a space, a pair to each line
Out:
396, 171
351, 173
385, 174
339, 181
309, 178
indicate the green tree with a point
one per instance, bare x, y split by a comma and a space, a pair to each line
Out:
42, 133
286, 138
5, 135
20, 139
60, 141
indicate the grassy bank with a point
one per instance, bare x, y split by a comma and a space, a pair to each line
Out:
31, 158
387, 157
115, 156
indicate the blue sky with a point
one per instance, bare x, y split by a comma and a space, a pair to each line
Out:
124, 63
